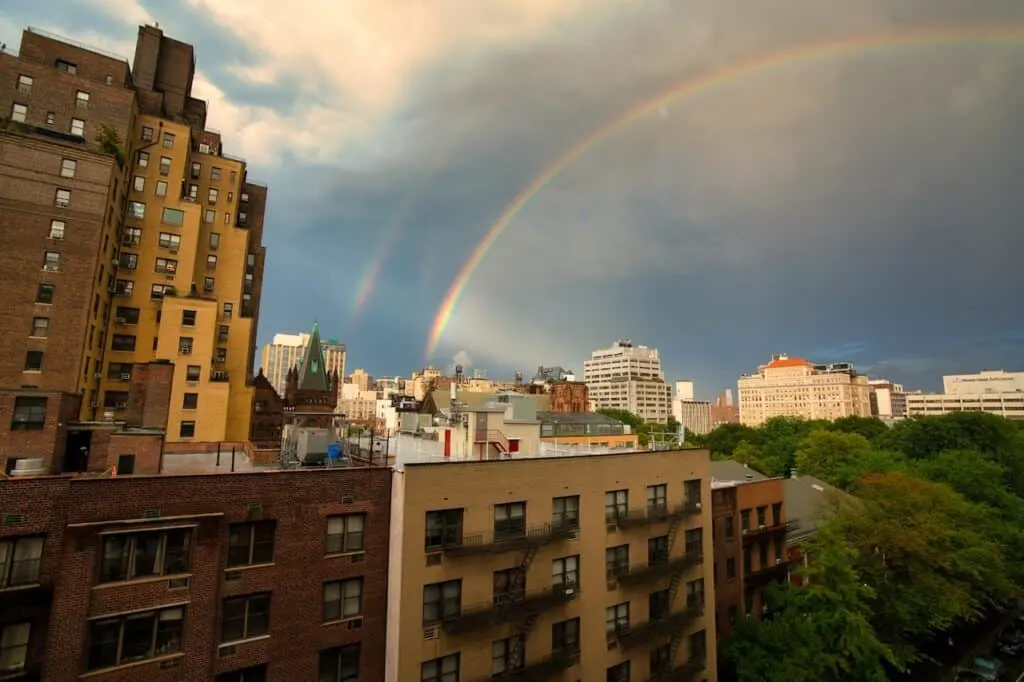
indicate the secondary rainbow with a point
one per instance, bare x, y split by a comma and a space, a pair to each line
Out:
995, 35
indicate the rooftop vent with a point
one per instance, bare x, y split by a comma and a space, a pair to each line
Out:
29, 467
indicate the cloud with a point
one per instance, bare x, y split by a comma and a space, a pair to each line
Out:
461, 360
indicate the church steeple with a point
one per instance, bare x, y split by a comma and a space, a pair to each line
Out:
313, 375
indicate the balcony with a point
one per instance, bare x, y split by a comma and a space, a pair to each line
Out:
660, 627
509, 607
765, 531
655, 514
542, 669
644, 573
219, 377
777, 572
512, 540
684, 673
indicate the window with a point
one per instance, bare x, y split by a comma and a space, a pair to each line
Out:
135, 637
161, 188
444, 528
509, 586
147, 134
129, 556
197, 170
444, 669
185, 345
657, 497
345, 533
211, 195
257, 673
208, 283
19, 112
730, 527
214, 240
78, 127
210, 215
242, 217
215, 174
509, 520
190, 401
82, 99
251, 543
442, 600
167, 266
204, 148
187, 429
25, 83
616, 619
691, 491
227, 218
20, 560
188, 318
62, 198
193, 193
695, 593
126, 315
245, 617
68, 168
565, 572
51, 118
66, 67
661, 659
616, 504
618, 673
139, 183
156, 291
192, 372
119, 371
57, 229
694, 541
167, 240
221, 356
211, 262
44, 293
763, 563
776, 513
40, 325
173, 216
762, 516
658, 605
168, 140
507, 655
14, 646
657, 550
730, 568
565, 636
343, 599
128, 261
340, 664
229, 308
122, 342
222, 333
142, 159
34, 361
616, 561
565, 511
165, 165
698, 646
745, 519
136, 209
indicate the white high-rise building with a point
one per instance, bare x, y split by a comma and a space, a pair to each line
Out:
993, 391
285, 352
888, 400
693, 414
628, 377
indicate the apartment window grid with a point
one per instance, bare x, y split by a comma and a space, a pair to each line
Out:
340, 664
25, 84
14, 638
507, 655
62, 198
144, 555
565, 572
68, 167
77, 127
245, 617
251, 544
40, 327
509, 586
657, 550
695, 593
565, 511
616, 504
444, 669
29, 414
509, 520
21, 561
657, 497
618, 673
19, 112
617, 619
134, 637
342, 599
616, 561
565, 635
256, 673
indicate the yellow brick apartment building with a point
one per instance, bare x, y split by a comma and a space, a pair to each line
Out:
592, 567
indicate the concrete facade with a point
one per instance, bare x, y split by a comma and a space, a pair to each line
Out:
555, 569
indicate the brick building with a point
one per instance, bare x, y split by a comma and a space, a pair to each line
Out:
227, 577
129, 235
749, 529
569, 396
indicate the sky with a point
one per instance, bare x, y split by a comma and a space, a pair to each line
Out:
830, 179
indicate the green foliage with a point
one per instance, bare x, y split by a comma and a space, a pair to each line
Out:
109, 141
933, 535
664, 433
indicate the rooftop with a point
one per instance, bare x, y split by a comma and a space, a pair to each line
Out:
808, 503
577, 418
727, 473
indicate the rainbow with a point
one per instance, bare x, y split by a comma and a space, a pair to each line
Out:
755, 66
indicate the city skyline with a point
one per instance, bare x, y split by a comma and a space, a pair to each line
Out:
764, 195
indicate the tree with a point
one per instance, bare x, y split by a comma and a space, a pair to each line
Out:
922, 548
871, 428
109, 141
723, 441
829, 455
820, 632
634, 421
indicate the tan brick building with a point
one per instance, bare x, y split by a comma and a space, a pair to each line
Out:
573, 568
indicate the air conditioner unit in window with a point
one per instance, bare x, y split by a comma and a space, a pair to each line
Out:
126, 377
122, 406
174, 250
97, 375
119, 320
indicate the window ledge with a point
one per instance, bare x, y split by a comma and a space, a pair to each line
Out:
335, 555
133, 664
21, 587
340, 621
249, 567
141, 581
247, 640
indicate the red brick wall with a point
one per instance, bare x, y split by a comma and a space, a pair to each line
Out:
300, 501
48, 443
569, 396
149, 394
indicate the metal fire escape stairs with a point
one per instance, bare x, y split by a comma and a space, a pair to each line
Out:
519, 644
673, 587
